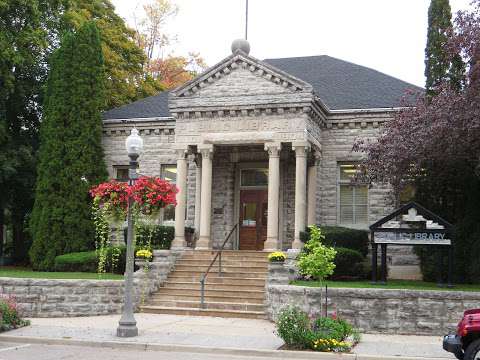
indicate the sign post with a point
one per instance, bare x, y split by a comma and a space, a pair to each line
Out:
411, 225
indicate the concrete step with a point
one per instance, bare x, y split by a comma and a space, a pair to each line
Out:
211, 286
195, 291
225, 268
214, 274
212, 298
225, 262
173, 277
203, 312
239, 306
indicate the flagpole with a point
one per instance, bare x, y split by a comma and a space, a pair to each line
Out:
246, 19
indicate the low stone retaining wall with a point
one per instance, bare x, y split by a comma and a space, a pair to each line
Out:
412, 312
61, 298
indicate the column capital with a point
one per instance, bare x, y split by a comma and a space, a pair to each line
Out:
180, 151
301, 148
206, 150
273, 149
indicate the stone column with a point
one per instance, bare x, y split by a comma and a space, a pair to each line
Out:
312, 190
271, 244
205, 242
198, 196
179, 241
301, 151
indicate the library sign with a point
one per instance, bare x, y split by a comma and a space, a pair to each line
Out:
432, 237
412, 224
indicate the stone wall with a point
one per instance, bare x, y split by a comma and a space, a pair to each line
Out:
337, 142
411, 312
61, 298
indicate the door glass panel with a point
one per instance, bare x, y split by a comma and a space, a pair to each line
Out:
254, 177
264, 213
249, 214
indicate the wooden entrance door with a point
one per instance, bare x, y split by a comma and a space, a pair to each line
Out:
253, 219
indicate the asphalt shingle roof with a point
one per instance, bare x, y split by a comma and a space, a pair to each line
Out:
344, 85
340, 85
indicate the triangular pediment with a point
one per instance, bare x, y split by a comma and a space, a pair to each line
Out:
241, 73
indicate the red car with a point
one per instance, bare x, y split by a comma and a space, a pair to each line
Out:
465, 344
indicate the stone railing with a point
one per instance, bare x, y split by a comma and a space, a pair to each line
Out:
60, 298
415, 312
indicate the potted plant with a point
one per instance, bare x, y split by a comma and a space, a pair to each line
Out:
277, 257
143, 258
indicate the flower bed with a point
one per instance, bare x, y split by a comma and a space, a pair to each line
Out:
10, 318
327, 334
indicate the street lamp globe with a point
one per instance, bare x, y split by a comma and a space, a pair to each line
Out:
134, 143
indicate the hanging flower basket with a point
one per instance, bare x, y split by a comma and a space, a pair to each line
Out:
150, 194
112, 199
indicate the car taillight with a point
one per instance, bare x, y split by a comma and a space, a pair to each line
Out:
463, 332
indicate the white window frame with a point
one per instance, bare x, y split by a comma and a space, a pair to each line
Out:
341, 182
115, 172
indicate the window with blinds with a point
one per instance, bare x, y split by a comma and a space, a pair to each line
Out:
353, 198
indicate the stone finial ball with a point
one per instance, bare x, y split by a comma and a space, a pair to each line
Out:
241, 44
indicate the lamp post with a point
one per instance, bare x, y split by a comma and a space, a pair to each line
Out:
127, 326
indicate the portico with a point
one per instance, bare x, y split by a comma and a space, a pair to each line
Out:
239, 116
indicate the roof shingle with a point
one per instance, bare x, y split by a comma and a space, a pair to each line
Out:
341, 85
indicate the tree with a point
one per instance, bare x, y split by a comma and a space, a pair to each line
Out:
435, 145
169, 71
124, 59
71, 156
173, 71
24, 32
440, 65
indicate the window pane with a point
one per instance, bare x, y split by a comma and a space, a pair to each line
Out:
169, 214
169, 173
348, 171
361, 216
346, 204
249, 214
361, 195
254, 177
121, 173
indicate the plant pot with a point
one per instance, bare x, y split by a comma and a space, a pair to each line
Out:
142, 263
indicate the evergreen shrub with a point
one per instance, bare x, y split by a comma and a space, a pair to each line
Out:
85, 261
349, 264
338, 236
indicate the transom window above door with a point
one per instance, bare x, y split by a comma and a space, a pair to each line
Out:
254, 177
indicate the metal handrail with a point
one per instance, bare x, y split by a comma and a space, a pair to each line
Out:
219, 256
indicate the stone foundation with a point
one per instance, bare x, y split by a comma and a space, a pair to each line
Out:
62, 298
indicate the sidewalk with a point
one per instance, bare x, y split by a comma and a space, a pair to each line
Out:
208, 334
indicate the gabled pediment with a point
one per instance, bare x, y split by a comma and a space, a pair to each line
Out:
241, 73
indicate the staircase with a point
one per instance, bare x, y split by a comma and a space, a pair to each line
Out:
239, 292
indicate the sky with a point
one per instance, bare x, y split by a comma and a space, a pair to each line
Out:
386, 35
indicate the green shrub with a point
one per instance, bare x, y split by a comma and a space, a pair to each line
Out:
9, 316
293, 327
329, 328
338, 236
326, 334
85, 261
349, 265
316, 260
158, 236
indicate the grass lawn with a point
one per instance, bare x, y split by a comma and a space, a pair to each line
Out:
23, 272
391, 284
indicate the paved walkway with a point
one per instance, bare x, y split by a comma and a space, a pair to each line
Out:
204, 334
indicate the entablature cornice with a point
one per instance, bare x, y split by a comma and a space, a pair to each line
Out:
145, 126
